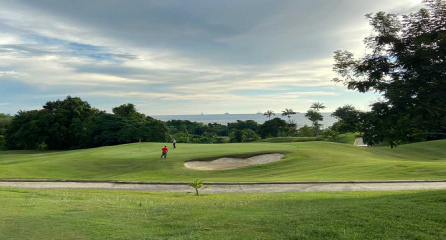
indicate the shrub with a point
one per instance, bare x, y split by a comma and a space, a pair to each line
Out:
2, 143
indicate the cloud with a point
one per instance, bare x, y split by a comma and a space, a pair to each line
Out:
205, 54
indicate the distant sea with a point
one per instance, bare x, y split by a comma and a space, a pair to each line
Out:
230, 118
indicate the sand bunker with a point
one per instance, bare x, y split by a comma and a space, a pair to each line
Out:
230, 163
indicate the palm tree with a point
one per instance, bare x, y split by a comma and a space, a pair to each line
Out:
317, 106
288, 113
268, 114
315, 117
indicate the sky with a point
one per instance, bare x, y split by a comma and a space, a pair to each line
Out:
183, 57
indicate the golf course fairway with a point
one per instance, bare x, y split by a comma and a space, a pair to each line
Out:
304, 161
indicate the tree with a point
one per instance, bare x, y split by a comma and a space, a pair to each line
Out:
128, 111
5, 121
348, 119
314, 116
287, 113
407, 65
242, 125
157, 131
106, 131
269, 113
67, 123
317, 106
273, 128
237, 136
26, 131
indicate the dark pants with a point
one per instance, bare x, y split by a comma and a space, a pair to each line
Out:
164, 155
174, 145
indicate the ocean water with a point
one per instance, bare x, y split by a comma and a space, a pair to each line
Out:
299, 118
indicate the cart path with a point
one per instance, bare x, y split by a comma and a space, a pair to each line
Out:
360, 143
234, 187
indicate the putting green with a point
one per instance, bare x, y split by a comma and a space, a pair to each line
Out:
304, 161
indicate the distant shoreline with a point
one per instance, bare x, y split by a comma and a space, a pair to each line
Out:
299, 118
223, 114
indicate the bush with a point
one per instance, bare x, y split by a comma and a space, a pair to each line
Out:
181, 137
251, 136
197, 185
239, 136
220, 140
331, 134
305, 131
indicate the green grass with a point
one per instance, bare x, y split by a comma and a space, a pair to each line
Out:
304, 161
347, 138
91, 214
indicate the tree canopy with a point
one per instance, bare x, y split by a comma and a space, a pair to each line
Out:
348, 119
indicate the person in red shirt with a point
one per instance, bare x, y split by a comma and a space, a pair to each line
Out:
165, 150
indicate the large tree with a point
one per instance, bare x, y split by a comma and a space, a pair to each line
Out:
348, 119
5, 121
406, 64
273, 128
243, 125
128, 111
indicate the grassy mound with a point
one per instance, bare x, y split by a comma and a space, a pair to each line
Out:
304, 161
290, 139
77, 214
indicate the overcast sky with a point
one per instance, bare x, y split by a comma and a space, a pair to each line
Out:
182, 57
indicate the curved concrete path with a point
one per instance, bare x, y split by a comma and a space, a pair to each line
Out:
233, 187
360, 143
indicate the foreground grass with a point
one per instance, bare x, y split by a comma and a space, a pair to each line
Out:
304, 161
82, 214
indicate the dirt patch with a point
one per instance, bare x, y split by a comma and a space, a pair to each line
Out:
231, 163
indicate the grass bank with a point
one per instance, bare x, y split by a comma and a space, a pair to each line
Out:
304, 161
82, 214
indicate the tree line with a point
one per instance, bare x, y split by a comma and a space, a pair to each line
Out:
73, 124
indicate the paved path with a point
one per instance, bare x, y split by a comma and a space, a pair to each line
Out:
236, 187
360, 143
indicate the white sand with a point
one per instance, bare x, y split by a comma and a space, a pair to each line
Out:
230, 163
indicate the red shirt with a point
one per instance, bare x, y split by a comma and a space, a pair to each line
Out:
164, 149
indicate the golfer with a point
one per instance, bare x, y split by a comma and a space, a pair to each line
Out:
174, 143
165, 150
